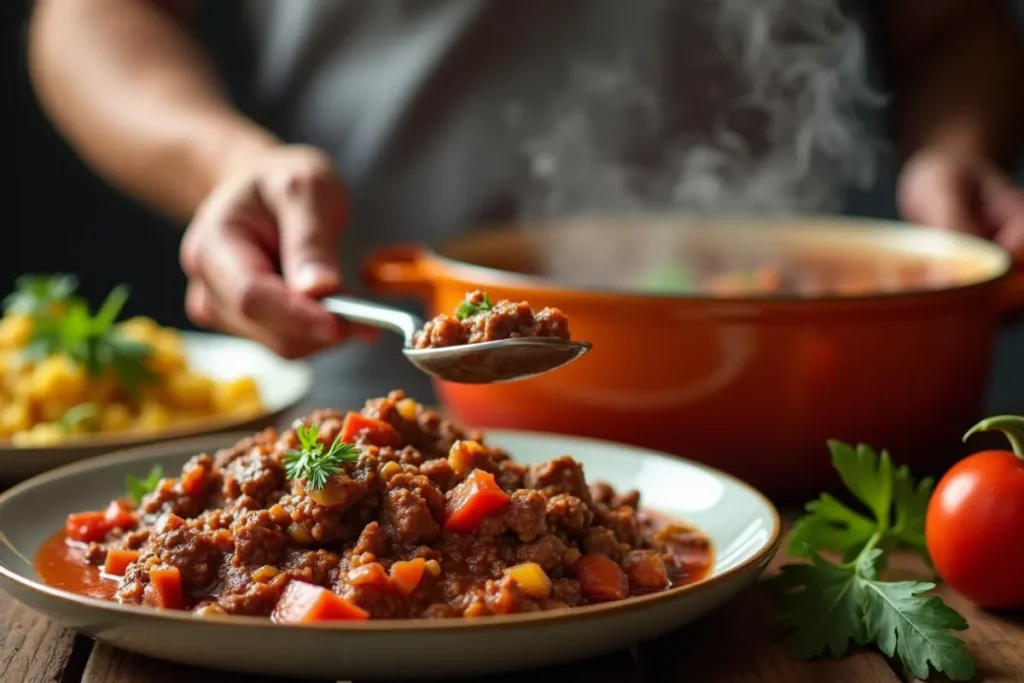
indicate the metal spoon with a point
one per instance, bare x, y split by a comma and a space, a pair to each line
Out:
505, 360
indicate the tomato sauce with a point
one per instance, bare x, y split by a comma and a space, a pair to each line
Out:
61, 564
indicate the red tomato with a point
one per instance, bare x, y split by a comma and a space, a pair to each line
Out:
377, 432
975, 523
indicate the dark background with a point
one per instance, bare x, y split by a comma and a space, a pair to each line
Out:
64, 219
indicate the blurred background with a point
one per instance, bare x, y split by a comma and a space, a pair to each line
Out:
67, 220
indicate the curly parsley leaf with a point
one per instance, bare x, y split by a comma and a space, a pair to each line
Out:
33, 294
827, 606
467, 309
140, 488
313, 461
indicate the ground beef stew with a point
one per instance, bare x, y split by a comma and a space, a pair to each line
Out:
391, 512
477, 320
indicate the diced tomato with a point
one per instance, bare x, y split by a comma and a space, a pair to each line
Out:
406, 575
86, 527
119, 516
304, 603
166, 589
193, 481
118, 560
377, 432
601, 578
371, 574
646, 570
477, 497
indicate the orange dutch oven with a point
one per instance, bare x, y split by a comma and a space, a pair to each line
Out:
753, 384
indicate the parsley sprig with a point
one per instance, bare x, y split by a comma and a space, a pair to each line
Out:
34, 294
468, 309
91, 340
313, 461
140, 488
827, 605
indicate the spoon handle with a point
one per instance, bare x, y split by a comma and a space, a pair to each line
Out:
376, 315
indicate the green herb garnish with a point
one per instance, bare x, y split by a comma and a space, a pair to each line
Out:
34, 294
140, 488
827, 605
468, 309
92, 340
85, 415
313, 461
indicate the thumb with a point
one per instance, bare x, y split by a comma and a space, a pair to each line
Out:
937, 192
1003, 205
309, 227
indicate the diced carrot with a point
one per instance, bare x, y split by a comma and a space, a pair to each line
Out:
376, 432
118, 560
370, 574
476, 498
406, 575
167, 589
87, 527
119, 516
304, 603
601, 578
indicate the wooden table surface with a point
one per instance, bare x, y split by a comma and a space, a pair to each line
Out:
735, 644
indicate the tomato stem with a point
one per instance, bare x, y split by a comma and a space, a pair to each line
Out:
1012, 426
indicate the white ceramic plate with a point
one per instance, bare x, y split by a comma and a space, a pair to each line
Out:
282, 385
743, 525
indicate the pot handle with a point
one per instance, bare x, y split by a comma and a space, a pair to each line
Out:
397, 270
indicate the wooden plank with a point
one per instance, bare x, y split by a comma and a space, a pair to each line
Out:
111, 665
34, 649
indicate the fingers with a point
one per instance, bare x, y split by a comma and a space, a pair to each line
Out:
240, 292
310, 212
1004, 209
939, 194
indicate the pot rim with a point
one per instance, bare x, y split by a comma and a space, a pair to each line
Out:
873, 233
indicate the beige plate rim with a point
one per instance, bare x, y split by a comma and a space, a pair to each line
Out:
199, 444
197, 427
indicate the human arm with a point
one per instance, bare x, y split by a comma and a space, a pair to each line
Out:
956, 68
133, 93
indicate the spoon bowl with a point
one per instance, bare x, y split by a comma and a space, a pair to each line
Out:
503, 360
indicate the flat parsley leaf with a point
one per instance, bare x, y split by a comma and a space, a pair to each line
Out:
896, 504
315, 463
33, 294
912, 626
826, 606
823, 609
84, 415
467, 309
140, 488
92, 341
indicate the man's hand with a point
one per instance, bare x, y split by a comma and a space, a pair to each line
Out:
942, 190
286, 205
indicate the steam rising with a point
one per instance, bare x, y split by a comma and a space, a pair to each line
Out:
785, 135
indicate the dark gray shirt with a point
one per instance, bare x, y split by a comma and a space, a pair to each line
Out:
444, 115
